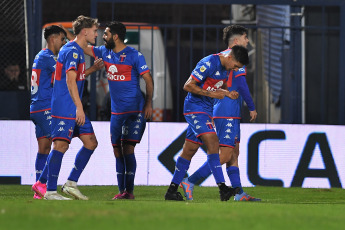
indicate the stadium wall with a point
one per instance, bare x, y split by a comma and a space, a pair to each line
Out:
270, 155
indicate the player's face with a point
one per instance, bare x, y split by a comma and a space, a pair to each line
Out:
232, 64
108, 39
60, 41
91, 34
243, 40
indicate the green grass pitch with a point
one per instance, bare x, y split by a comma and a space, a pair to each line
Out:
281, 208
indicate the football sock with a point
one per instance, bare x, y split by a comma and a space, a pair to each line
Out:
41, 160
44, 175
81, 160
201, 174
54, 166
182, 166
234, 176
216, 168
131, 166
120, 172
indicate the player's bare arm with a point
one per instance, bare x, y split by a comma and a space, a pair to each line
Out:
149, 94
98, 64
192, 87
73, 91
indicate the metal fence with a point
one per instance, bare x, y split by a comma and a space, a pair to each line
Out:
13, 46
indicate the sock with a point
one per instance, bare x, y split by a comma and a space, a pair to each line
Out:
234, 176
201, 174
131, 166
41, 160
216, 168
120, 171
80, 163
173, 187
182, 166
44, 175
54, 166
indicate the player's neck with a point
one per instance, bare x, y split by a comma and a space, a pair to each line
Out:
119, 47
81, 41
51, 48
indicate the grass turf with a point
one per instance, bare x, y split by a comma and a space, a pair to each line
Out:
280, 208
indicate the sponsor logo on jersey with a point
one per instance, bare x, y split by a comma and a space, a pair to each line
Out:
198, 127
202, 69
49, 117
230, 119
135, 132
227, 136
139, 54
34, 65
137, 127
196, 121
109, 56
215, 87
61, 129
198, 75
55, 58
229, 125
241, 69
208, 64
75, 55
228, 131
144, 67
217, 73
73, 63
123, 69
46, 112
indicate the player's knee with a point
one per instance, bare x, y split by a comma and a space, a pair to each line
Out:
92, 145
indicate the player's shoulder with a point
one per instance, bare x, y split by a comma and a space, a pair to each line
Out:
44, 56
240, 71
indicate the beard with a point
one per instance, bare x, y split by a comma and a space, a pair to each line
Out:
109, 44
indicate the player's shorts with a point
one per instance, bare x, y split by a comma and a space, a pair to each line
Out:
42, 121
127, 127
66, 129
199, 124
228, 131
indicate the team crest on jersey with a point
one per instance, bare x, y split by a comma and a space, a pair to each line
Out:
202, 69
209, 124
70, 131
122, 57
55, 58
75, 55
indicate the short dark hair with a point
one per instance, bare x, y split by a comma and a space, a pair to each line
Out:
117, 28
240, 54
50, 30
230, 31
83, 22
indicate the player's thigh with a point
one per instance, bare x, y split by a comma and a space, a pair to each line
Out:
86, 134
116, 123
133, 129
211, 141
42, 121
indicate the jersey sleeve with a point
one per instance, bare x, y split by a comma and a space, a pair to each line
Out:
72, 60
141, 64
243, 90
97, 51
201, 71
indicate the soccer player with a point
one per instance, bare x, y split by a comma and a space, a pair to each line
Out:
68, 117
206, 83
129, 109
227, 115
41, 92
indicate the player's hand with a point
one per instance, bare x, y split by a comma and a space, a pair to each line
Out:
80, 116
253, 114
148, 111
233, 94
220, 93
98, 64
